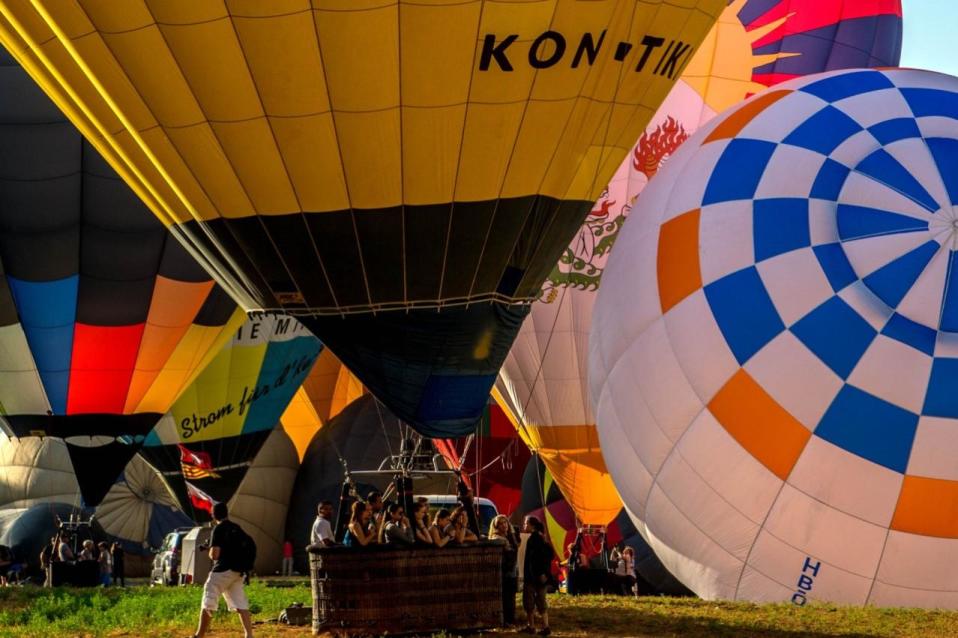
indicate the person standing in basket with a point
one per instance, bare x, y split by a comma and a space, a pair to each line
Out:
537, 572
229, 549
322, 532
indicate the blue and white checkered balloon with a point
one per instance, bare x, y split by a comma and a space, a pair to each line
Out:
774, 354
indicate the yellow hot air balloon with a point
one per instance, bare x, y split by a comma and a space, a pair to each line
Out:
403, 175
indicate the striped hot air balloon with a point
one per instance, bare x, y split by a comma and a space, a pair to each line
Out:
405, 196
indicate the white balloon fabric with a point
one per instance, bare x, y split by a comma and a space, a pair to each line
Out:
774, 353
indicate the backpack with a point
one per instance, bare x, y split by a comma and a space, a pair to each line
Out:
242, 550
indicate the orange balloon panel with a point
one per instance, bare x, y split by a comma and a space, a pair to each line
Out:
328, 389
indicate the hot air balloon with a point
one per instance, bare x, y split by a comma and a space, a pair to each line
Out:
754, 44
213, 432
104, 316
406, 197
328, 389
773, 352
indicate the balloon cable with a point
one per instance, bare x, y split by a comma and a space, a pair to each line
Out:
382, 424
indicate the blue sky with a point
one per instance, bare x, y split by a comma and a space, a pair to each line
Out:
931, 35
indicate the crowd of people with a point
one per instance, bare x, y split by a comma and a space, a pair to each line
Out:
109, 558
372, 522
595, 571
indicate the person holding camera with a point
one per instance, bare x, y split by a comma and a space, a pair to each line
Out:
227, 551
537, 573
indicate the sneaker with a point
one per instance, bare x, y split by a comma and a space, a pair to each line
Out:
545, 632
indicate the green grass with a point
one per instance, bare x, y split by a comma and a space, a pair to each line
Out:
163, 612
133, 611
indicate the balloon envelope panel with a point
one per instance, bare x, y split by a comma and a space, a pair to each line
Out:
774, 342
325, 392
261, 502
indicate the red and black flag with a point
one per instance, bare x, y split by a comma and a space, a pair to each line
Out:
196, 465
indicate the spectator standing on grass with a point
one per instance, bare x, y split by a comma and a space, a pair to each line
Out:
537, 572
119, 566
47, 555
287, 568
322, 532
226, 575
6, 562
105, 558
501, 532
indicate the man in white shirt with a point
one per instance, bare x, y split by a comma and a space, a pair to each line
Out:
322, 533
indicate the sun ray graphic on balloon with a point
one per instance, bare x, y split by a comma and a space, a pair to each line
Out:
721, 71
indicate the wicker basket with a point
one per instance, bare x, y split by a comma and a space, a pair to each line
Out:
396, 590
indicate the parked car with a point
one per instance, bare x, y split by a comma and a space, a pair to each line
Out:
166, 562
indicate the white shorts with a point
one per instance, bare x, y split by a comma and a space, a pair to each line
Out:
229, 584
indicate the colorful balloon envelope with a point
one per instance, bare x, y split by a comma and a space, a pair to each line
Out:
773, 354
406, 197
754, 44
104, 317
214, 431
492, 460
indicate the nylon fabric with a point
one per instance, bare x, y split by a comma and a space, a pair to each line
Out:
800, 452
442, 165
216, 428
754, 44
325, 392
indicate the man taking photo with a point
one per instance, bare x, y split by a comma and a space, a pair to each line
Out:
229, 549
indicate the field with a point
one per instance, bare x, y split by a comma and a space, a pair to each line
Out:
140, 611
